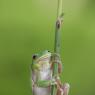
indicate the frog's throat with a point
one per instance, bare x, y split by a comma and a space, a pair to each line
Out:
44, 57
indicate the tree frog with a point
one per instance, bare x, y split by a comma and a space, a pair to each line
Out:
42, 75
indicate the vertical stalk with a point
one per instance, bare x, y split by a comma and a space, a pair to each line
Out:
58, 27
57, 44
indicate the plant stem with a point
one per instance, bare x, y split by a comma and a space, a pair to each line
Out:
58, 27
57, 43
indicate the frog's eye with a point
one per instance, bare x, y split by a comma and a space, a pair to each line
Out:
35, 56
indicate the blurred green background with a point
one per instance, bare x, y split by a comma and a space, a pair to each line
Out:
27, 26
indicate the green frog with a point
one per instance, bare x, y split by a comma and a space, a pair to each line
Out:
42, 79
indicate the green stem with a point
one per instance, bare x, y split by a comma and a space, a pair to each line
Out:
60, 9
57, 43
58, 27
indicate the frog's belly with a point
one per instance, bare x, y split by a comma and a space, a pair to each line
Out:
46, 75
41, 91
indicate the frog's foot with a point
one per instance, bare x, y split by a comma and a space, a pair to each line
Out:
66, 88
60, 91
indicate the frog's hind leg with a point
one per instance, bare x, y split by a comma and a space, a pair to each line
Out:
66, 88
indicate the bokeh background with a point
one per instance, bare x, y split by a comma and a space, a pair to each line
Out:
27, 27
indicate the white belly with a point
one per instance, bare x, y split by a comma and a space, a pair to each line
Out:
41, 91
43, 75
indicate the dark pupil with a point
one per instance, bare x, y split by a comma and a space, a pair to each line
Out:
34, 56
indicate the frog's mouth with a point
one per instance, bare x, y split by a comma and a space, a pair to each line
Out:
44, 57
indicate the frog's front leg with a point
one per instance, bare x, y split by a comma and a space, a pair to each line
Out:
46, 83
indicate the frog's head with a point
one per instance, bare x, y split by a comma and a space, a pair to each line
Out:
41, 59
42, 55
